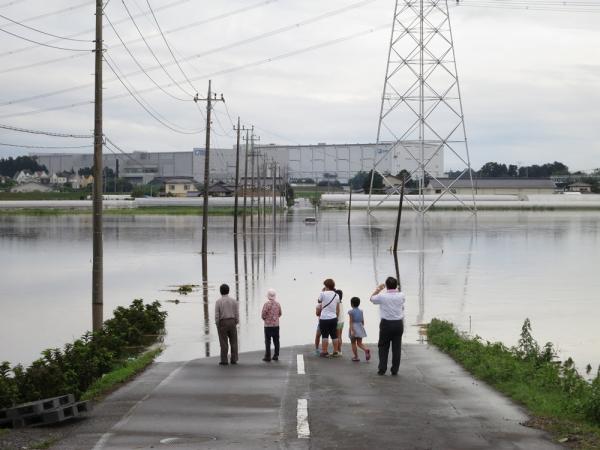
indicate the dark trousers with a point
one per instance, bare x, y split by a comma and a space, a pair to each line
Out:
228, 336
390, 332
271, 333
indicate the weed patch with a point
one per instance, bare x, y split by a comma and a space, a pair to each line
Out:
529, 373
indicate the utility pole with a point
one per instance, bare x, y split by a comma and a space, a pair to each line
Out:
264, 192
97, 249
253, 154
237, 177
246, 177
274, 169
209, 99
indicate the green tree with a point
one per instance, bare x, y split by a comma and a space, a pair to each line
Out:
377, 183
493, 170
10, 166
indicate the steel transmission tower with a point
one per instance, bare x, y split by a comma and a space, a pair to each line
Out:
421, 118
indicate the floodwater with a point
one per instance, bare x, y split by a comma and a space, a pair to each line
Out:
485, 274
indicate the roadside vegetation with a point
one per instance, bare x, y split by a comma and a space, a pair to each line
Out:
79, 365
560, 399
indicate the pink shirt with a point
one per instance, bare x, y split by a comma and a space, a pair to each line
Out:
271, 313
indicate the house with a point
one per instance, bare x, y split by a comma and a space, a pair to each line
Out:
492, 186
23, 176
59, 178
220, 189
31, 186
180, 187
583, 188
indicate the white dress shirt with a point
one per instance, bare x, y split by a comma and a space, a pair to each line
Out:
391, 304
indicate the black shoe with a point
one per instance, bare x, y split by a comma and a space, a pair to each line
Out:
265, 359
379, 372
395, 374
275, 358
234, 362
223, 363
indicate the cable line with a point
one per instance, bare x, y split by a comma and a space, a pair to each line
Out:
154, 114
140, 65
46, 133
14, 2
152, 51
57, 147
169, 47
45, 45
89, 30
44, 32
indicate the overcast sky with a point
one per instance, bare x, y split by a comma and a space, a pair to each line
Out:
530, 79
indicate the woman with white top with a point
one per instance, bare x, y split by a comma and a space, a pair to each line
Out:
328, 308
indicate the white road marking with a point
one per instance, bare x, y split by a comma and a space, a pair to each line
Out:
302, 419
300, 364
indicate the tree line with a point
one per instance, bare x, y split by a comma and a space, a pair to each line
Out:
10, 166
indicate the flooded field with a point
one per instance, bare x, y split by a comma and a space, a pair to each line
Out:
486, 275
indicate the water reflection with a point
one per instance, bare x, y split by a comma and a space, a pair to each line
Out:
498, 270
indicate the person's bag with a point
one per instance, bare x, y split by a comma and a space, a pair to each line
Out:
321, 307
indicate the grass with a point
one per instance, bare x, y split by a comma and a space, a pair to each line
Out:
120, 375
559, 399
43, 195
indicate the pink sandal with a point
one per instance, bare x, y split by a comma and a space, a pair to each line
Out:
368, 354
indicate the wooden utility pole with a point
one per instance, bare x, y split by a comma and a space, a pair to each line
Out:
237, 178
209, 99
97, 248
349, 202
264, 191
246, 179
274, 169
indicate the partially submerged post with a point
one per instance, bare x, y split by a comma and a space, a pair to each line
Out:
399, 216
274, 197
245, 181
349, 202
237, 179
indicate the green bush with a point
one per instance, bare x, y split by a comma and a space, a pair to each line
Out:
79, 364
528, 372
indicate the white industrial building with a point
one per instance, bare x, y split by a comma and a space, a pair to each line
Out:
318, 162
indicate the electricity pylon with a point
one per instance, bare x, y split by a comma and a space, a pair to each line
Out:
421, 117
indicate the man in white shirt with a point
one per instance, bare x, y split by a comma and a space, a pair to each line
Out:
391, 327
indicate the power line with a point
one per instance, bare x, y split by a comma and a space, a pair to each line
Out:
49, 147
13, 2
43, 110
140, 65
46, 133
44, 32
152, 51
44, 45
154, 114
169, 47
41, 63
89, 30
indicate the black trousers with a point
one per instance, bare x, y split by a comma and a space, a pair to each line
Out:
390, 332
271, 333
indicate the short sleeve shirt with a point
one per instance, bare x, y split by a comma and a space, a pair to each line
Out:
328, 301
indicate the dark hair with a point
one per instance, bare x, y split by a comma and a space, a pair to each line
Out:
329, 284
355, 301
391, 283
224, 289
339, 293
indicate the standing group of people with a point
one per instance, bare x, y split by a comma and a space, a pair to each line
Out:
330, 311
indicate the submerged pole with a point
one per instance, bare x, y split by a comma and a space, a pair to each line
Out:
399, 216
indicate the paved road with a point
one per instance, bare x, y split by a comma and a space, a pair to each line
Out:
431, 404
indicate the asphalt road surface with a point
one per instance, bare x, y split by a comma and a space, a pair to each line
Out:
303, 402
